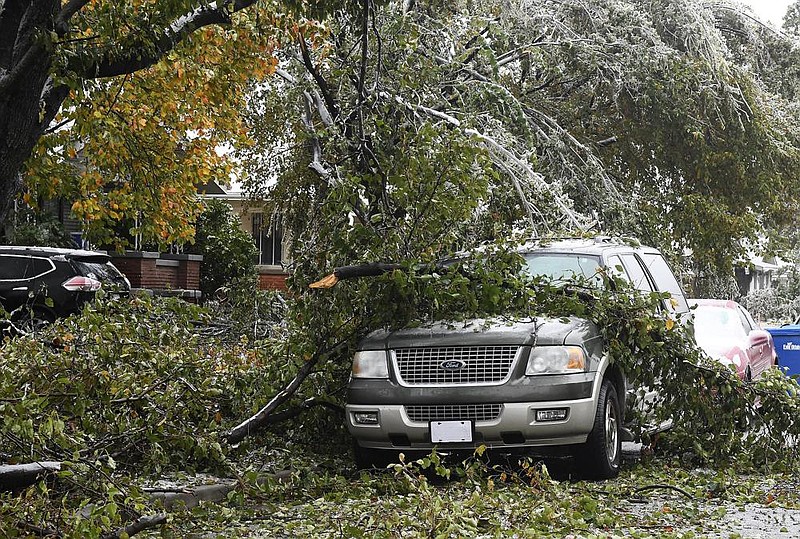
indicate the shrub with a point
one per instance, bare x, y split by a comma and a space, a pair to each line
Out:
228, 251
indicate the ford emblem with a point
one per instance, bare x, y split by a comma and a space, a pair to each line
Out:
452, 364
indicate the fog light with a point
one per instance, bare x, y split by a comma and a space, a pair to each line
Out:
365, 418
559, 414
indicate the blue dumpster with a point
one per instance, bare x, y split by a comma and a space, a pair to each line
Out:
787, 345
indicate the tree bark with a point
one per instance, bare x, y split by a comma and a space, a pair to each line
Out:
16, 476
25, 65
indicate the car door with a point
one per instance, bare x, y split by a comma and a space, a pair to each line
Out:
641, 399
759, 343
13, 286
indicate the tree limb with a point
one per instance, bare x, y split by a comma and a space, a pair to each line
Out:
662, 487
14, 476
295, 411
607, 141
138, 525
362, 70
141, 57
71, 8
39, 531
342, 273
319, 79
21, 68
261, 418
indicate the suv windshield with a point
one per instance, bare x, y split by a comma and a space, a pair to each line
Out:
561, 266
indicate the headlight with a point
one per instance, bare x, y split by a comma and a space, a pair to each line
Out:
370, 364
555, 360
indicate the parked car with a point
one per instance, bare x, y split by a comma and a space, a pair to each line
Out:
68, 277
545, 385
725, 331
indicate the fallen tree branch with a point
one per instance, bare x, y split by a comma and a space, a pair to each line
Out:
38, 531
187, 498
607, 141
261, 418
662, 487
372, 269
138, 525
295, 411
14, 476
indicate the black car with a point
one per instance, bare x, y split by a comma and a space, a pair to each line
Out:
68, 277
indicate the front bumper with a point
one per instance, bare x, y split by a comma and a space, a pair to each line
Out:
515, 427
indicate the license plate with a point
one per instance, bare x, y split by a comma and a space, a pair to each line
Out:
451, 431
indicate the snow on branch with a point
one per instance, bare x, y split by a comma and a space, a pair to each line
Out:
518, 170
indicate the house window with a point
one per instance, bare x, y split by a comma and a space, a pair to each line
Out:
269, 241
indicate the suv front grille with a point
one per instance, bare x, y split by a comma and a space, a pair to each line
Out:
474, 365
447, 412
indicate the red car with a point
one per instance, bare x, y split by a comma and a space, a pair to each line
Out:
725, 331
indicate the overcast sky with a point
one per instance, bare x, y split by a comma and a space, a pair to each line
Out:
769, 10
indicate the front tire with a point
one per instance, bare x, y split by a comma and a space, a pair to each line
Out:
600, 456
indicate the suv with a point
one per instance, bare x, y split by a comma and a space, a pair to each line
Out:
546, 383
69, 277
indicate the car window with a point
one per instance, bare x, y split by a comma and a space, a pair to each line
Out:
636, 272
560, 266
13, 267
662, 275
101, 271
664, 279
716, 327
617, 268
38, 266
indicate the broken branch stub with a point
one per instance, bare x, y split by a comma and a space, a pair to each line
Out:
353, 272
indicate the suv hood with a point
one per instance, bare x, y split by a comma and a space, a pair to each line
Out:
481, 332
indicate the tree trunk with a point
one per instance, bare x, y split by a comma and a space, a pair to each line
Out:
28, 99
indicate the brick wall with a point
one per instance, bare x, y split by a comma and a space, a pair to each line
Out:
161, 271
136, 268
187, 273
272, 281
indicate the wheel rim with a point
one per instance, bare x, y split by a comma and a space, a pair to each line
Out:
612, 433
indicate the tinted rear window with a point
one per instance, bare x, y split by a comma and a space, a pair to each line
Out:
13, 267
38, 266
